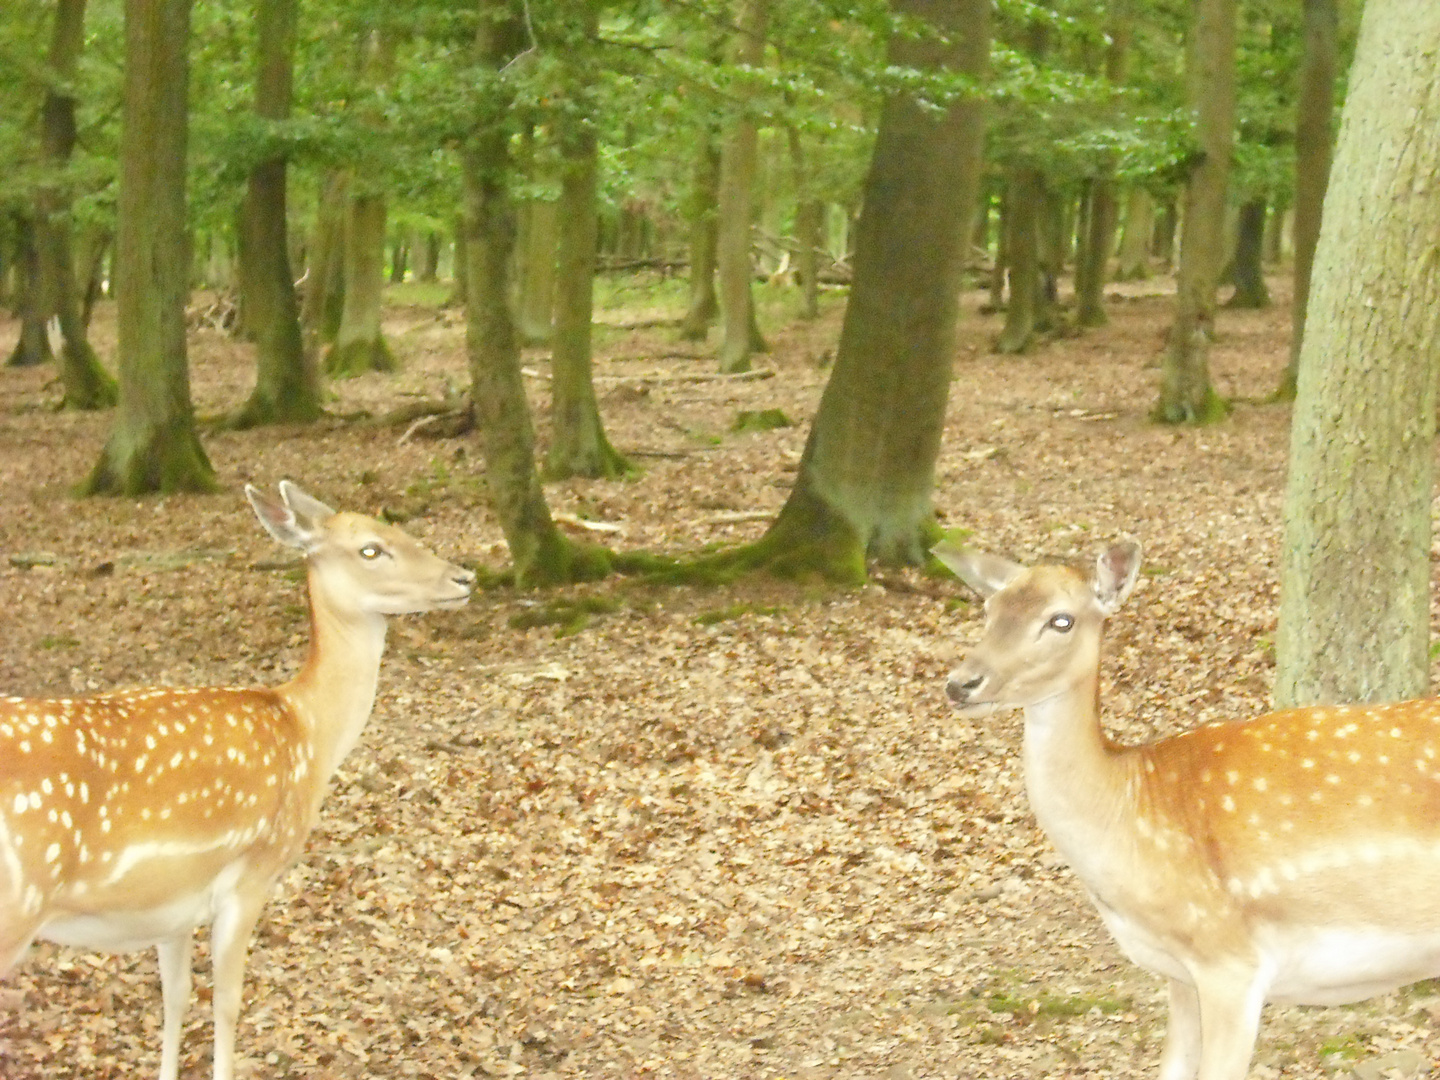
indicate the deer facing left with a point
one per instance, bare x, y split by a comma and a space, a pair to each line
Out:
129, 819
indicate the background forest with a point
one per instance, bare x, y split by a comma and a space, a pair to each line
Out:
631, 299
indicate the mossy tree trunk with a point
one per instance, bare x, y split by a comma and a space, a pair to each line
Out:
153, 446
866, 476
287, 383
540, 554
739, 157
1024, 203
702, 216
1248, 273
578, 446
1355, 599
1186, 393
1313, 110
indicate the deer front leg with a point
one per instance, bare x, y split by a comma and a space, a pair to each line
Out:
175, 978
229, 944
1180, 1059
1230, 1004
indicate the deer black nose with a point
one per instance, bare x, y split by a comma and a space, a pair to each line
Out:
959, 690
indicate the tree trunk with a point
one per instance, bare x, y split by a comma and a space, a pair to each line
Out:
809, 219
704, 222
324, 285
578, 446
1099, 238
738, 160
1312, 162
153, 445
1133, 262
1024, 203
539, 227
1186, 394
866, 476
33, 346
287, 383
1167, 224
497, 392
428, 255
399, 259
359, 344
1355, 570
1249, 274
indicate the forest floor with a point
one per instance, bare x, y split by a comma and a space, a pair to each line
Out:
727, 832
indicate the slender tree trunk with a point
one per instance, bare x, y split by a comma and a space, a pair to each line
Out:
153, 445
866, 477
1186, 394
399, 260
809, 218
427, 250
324, 285
703, 217
578, 446
1167, 224
1355, 570
1318, 66
1024, 203
738, 160
1133, 262
33, 346
1248, 273
539, 229
360, 346
497, 392
1099, 239
287, 382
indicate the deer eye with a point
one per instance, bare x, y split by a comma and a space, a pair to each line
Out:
1062, 623
371, 551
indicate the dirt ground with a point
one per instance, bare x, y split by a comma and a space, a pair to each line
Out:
711, 833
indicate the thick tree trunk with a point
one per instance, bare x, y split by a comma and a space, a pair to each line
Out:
1312, 162
427, 249
578, 446
32, 306
703, 218
1249, 273
1186, 394
287, 383
866, 476
1355, 570
153, 445
738, 159
359, 344
1024, 204
1099, 239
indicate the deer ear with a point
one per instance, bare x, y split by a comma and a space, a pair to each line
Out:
985, 573
295, 520
1115, 572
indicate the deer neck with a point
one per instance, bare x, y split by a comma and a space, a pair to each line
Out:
334, 690
1081, 786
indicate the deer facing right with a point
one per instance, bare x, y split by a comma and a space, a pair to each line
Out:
1294, 857
130, 818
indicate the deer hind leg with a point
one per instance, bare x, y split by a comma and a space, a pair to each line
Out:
175, 978
229, 943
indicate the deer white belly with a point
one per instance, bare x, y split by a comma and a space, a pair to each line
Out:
126, 930
1336, 965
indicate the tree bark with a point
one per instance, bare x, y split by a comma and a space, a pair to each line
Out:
502, 416
153, 446
1024, 203
360, 346
703, 217
866, 476
324, 285
33, 346
1133, 261
1355, 569
738, 158
539, 228
1186, 394
1099, 238
287, 382
578, 446
809, 218
1318, 66
1249, 273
